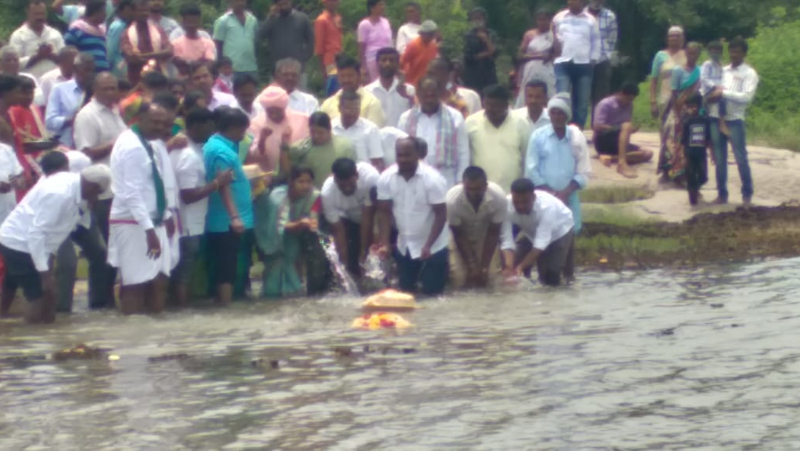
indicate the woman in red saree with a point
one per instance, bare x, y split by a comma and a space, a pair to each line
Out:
30, 135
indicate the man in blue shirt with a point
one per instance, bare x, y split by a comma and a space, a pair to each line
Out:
229, 222
67, 98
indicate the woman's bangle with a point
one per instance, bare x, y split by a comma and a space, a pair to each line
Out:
216, 185
235, 217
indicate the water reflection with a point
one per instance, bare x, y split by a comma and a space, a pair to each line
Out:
588, 367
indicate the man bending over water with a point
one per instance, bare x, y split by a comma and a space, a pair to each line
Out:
547, 226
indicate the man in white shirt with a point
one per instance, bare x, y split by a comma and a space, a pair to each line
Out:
190, 173
739, 83
36, 42
414, 195
97, 127
67, 98
287, 76
141, 214
364, 135
442, 128
62, 73
34, 231
396, 97
547, 225
87, 237
476, 211
535, 113
409, 30
577, 49
389, 137
200, 79
348, 199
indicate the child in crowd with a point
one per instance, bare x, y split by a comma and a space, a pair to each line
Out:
224, 76
177, 88
696, 138
711, 78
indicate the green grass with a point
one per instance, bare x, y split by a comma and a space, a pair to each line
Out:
629, 247
614, 217
614, 194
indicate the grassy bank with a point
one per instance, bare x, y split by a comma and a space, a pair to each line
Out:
612, 241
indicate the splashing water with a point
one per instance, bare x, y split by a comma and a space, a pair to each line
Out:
345, 281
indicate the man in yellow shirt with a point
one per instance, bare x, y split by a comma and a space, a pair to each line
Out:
349, 73
498, 140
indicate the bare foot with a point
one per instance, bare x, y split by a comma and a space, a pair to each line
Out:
606, 160
627, 172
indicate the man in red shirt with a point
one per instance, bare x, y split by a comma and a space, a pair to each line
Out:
328, 42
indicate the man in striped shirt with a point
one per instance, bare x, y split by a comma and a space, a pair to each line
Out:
88, 34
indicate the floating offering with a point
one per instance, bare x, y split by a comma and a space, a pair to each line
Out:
390, 300
375, 321
81, 352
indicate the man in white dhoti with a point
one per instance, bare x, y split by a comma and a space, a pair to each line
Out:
141, 213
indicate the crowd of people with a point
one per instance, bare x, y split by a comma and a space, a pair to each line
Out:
151, 145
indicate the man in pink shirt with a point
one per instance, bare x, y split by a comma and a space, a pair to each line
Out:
191, 46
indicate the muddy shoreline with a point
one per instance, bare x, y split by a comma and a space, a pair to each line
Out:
740, 236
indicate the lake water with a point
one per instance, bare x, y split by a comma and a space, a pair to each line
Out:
706, 359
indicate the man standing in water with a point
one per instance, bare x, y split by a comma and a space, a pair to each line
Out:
414, 194
141, 220
348, 199
476, 210
558, 158
36, 228
548, 228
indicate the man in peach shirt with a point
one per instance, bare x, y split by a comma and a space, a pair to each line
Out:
420, 52
190, 46
328, 42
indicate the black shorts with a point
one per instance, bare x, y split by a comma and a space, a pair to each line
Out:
223, 247
608, 143
21, 272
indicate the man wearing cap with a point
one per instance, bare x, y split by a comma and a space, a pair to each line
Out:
420, 52
558, 158
34, 231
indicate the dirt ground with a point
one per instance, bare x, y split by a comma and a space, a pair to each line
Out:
680, 235
776, 179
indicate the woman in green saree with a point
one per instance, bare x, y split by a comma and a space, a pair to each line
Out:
286, 223
685, 84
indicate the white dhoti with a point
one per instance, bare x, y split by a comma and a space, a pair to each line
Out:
127, 251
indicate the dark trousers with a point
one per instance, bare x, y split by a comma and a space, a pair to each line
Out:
739, 142
431, 274
95, 251
576, 79
352, 232
696, 168
101, 275
555, 261
93, 243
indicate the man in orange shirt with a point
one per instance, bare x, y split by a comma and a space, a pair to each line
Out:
328, 42
420, 52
